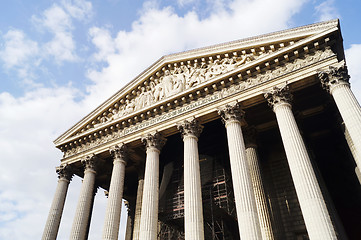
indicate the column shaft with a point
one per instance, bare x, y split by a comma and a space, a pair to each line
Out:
351, 145
314, 210
85, 204
350, 111
129, 229
193, 211
114, 206
56, 210
248, 222
138, 210
261, 202
149, 216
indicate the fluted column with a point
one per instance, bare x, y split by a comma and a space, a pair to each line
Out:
129, 228
193, 210
85, 202
255, 172
114, 206
336, 81
353, 152
248, 222
56, 210
313, 207
149, 217
138, 205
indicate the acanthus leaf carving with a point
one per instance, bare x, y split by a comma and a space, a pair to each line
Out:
154, 140
278, 95
333, 76
64, 172
190, 127
231, 112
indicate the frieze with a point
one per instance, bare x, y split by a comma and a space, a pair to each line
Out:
215, 96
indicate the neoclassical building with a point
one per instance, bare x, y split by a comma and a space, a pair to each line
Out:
258, 138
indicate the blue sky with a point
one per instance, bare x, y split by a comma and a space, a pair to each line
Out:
60, 59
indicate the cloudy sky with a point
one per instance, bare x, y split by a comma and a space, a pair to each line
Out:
60, 59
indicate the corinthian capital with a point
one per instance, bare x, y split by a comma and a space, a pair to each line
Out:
278, 95
64, 172
119, 152
192, 127
90, 162
155, 140
231, 112
334, 75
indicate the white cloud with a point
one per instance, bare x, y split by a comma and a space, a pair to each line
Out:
327, 10
79, 9
103, 41
17, 49
59, 23
353, 58
20, 54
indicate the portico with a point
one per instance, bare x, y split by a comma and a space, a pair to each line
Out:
177, 137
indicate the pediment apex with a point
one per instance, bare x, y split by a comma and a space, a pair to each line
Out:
232, 54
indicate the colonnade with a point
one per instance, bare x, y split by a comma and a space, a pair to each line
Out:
251, 206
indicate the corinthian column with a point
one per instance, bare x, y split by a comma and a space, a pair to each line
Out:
193, 210
52, 224
313, 207
248, 223
114, 206
255, 172
85, 202
336, 81
149, 217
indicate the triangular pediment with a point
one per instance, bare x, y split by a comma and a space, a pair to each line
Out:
175, 74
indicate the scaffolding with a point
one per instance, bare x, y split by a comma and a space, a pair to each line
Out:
218, 204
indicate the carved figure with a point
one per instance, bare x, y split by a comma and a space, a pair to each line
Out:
167, 83
157, 90
129, 106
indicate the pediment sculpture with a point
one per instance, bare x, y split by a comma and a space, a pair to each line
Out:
175, 80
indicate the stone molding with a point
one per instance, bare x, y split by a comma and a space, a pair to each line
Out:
65, 172
334, 76
111, 133
278, 95
190, 127
231, 112
154, 140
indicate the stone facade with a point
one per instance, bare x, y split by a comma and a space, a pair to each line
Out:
262, 174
